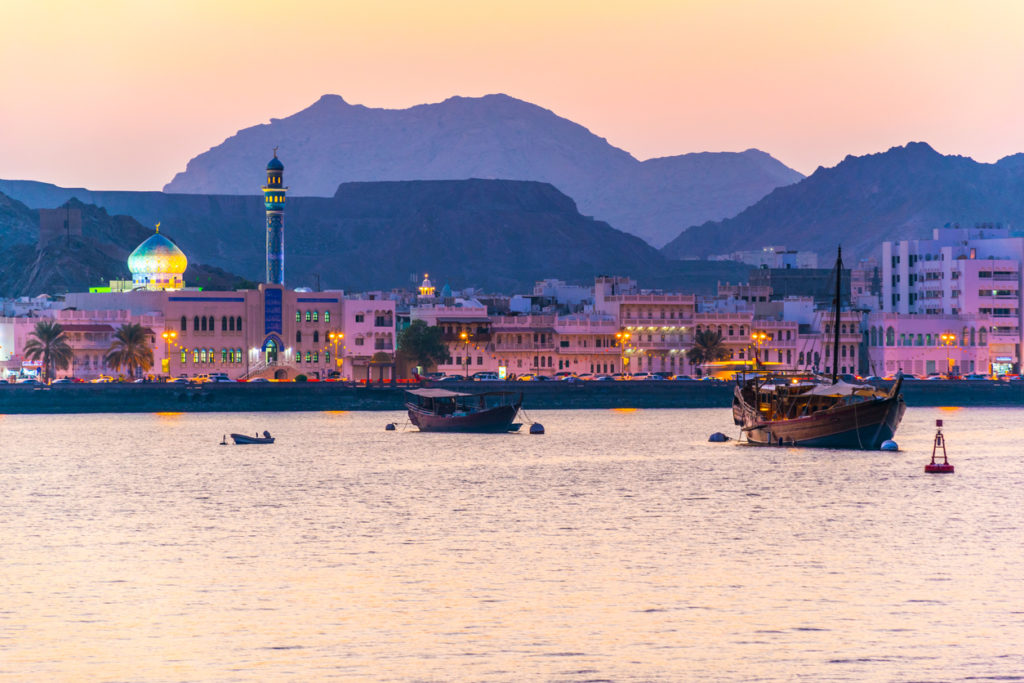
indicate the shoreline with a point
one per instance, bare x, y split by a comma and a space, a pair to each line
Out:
323, 396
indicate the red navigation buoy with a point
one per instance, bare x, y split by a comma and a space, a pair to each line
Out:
939, 467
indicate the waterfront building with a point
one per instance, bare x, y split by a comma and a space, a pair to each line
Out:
930, 344
960, 272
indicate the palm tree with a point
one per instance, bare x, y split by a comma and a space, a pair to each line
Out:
130, 349
707, 348
48, 342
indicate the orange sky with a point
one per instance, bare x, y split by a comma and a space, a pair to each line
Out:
120, 94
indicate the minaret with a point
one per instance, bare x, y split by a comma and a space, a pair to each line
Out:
273, 198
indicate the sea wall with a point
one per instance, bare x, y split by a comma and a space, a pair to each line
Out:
240, 397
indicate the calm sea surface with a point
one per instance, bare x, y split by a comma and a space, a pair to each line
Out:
619, 546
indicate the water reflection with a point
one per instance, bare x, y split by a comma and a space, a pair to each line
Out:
136, 547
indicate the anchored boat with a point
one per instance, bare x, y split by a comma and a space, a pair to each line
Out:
793, 409
440, 410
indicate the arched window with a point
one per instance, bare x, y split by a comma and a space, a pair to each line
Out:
842, 350
316, 336
964, 337
213, 324
842, 328
202, 354
920, 339
316, 357
195, 355
309, 316
743, 330
238, 323
223, 324
316, 316
184, 323
298, 336
732, 331
223, 355
195, 323
231, 323
800, 358
327, 316
973, 343
212, 357
874, 337
298, 316
982, 337
928, 339
309, 357
202, 322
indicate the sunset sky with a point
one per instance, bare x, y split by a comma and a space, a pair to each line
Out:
121, 94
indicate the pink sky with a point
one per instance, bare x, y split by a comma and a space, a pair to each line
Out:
121, 94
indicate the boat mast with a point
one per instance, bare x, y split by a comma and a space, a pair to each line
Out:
835, 319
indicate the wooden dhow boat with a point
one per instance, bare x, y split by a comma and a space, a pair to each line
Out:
791, 409
441, 410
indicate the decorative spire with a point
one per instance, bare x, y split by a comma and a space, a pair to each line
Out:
158, 227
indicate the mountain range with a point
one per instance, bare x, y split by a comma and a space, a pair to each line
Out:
902, 193
495, 136
498, 235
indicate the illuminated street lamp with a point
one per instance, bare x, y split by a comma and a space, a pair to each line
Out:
948, 339
623, 342
464, 336
758, 338
169, 336
336, 337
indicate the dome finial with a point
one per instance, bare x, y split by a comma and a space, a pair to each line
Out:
275, 152
158, 227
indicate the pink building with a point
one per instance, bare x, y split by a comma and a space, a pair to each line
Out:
921, 344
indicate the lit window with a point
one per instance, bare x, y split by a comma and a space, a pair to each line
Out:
315, 357
309, 316
223, 355
298, 316
327, 356
183, 356
327, 316
309, 357
316, 316
195, 355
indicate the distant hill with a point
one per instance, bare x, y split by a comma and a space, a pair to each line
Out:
899, 194
496, 136
499, 235
78, 262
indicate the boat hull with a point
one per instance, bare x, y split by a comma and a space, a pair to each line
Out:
859, 426
243, 440
493, 420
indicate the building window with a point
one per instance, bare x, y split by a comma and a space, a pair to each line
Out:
359, 317
327, 316
315, 357
223, 355
195, 323
195, 355
223, 323
231, 323
298, 336
203, 323
184, 323
183, 356
238, 323
327, 356
298, 316
316, 316
309, 316
316, 334
359, 341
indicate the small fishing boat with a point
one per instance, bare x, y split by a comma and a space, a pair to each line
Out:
245, 439
440, 410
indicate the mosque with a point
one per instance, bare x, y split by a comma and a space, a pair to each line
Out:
270, 332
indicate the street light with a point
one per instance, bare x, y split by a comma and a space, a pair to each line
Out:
335, 337
758, 338
622, 341
169, 336
464, 336
948, 339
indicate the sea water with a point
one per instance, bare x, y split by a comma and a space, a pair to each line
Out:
620, 545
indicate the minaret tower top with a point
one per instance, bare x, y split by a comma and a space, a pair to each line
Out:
273, 199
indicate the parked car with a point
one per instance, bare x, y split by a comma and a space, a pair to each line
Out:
32, 382
486, 377
640, 376
975, 375
180, 380
259, 380
103, 379
62, 380
604, 378
682, 378
452, 378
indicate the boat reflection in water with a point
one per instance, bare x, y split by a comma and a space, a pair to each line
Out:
440, 410
776, 409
